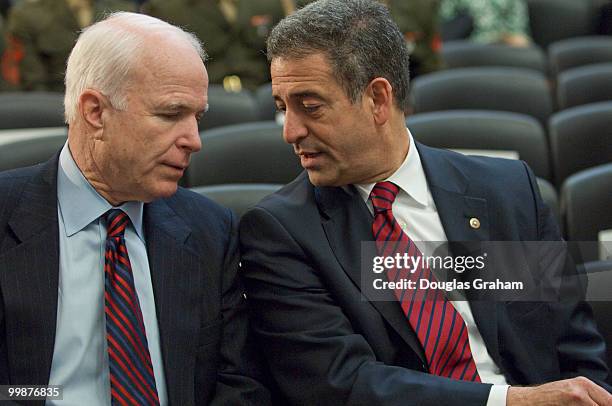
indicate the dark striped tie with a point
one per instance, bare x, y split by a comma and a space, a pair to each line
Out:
439, 327
131, 373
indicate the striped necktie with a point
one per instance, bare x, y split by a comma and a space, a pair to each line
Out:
132, 380
440, 329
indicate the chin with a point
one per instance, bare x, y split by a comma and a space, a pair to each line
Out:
318, 180
163, 191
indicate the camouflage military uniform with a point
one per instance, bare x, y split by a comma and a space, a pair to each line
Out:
236, 48
418, 21
41, 34
4, 86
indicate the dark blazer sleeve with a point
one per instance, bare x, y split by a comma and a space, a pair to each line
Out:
580, 346
315, 355
237, 378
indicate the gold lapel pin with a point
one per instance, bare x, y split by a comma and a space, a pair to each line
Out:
474, 223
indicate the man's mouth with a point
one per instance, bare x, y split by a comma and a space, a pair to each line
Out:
309, 159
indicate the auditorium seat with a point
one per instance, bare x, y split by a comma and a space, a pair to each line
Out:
244, 153
580, 137
586, 200
554, 20
227, 108
551, 198
517, 90
31, 110
265, 103
238, 197
583, 85
574, 52
599, 296
485, 132
30, 147
465, 54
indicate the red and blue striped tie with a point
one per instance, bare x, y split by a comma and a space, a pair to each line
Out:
132, 380
439, 327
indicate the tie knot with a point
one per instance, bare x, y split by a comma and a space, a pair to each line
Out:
116, 222
383, 195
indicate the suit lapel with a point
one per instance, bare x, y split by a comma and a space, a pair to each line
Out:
347, 223
29, 275
177, 286
449, 188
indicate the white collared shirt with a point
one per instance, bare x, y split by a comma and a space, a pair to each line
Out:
416, 212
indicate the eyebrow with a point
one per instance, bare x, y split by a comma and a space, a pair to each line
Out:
179, 106
302, 95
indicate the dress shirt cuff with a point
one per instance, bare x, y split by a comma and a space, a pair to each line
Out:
497, 396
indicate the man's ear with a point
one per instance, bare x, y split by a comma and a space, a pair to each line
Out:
381, 94
91, 106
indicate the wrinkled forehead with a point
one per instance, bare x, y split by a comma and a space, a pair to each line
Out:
163, 56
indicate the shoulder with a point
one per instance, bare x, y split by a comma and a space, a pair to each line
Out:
297, 196
13, 183
14, 179
478, 170
200, 212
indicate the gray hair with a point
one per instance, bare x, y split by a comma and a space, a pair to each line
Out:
107, 52
358, 36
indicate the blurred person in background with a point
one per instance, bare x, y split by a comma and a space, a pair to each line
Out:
234, 33
489, 21
40, 35
418, 21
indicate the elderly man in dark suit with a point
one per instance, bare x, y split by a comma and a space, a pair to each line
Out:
115, 285
339, 73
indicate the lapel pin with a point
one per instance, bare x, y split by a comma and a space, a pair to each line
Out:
474, 223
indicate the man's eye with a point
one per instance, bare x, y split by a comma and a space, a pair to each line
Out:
280, 109
312, 108
199, 117
169, 116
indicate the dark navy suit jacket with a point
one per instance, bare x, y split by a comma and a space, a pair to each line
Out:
192, 251
325, 344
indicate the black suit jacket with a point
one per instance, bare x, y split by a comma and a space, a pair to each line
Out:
192, 251
327, 345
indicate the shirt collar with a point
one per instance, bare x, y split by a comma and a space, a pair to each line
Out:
410, 177
80, 203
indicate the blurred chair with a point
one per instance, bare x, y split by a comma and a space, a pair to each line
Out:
599, 295
554, 20
265, 103
228, 108
551, 198
583, 85
602, 311
486, 88
27, 149
490, 133
464, 53
580, 137
31, 110
238, 197
244, 153
586, 199
574, 52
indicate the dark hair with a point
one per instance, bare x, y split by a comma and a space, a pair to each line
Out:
358, 36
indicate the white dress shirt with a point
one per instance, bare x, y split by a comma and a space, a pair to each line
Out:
80, 355
415, 211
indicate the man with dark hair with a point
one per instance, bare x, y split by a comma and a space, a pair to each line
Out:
339, 72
